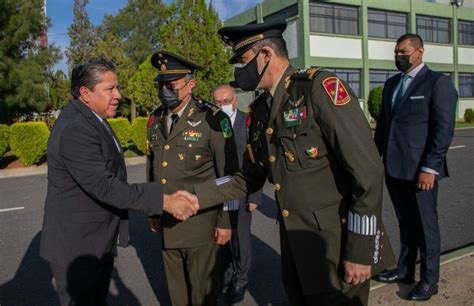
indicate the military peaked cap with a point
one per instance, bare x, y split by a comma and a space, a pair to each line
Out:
242, 38
171, 66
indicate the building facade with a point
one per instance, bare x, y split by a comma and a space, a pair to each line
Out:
356, 38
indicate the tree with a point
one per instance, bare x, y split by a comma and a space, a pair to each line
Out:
141, 86
82, 34
25, 62
191, 31
59, 90
375, 101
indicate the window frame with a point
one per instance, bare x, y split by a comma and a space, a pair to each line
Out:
433, 30
386, 23
468, 34
333, 17
461, 84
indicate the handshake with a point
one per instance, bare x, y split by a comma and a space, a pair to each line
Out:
181, 204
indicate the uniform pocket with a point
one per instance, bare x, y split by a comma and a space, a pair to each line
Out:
192, 156
328, 217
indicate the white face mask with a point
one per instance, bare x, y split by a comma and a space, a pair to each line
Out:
228, 109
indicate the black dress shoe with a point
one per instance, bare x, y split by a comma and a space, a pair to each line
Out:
393, 276
422, 292
236, 294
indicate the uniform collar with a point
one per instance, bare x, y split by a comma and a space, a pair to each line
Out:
275, 85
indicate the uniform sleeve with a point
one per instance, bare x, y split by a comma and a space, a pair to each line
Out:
224, 150
81, 152
348, 135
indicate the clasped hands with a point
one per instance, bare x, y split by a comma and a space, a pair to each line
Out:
181, 204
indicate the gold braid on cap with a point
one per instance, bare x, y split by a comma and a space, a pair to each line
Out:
175, 71
249, 40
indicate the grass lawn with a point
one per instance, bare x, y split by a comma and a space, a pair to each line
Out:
462, 124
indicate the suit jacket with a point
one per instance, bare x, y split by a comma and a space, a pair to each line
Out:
200, 147
88, 194
418, 131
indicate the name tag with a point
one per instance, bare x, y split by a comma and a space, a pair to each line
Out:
416, 97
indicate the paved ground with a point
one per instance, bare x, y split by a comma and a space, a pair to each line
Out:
138, 276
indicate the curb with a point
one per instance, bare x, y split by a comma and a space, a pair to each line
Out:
40, 170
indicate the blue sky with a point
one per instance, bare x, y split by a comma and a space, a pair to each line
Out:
60, 13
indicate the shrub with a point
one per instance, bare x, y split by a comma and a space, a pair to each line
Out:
469, 115
139, 134
121, 127
4, 132
28, 141
375, 101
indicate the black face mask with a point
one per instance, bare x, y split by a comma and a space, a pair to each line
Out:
247, 77
169, 97
403, 62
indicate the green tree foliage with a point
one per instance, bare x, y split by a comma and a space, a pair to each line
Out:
82, 34
24, 62
141, 87
469, 115
190, 30
4, 133
139, 133
375, 101
28, 141
121, 127
59, 90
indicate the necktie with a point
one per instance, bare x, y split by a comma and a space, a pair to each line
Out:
109, 129
401, 90
174, 121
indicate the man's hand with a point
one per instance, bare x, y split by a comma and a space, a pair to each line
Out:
192, 198
425, 181
179, 206
356, 274
251, 207
222, 235
154, 224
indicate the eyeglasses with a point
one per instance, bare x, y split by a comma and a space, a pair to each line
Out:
224, 102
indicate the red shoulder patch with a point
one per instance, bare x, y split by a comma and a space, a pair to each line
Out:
151, 121
336, 91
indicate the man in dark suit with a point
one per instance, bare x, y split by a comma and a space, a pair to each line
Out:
414, 130
88, 197
237, 253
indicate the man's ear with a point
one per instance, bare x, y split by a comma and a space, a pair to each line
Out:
268, 53
192, 83
84, 93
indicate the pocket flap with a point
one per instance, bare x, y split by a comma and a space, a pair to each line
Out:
328, 217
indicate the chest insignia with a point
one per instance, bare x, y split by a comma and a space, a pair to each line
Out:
197, 157
293, 117
297, 102
290, 156
192, 135
226, 128
312, 152
336, 91
181, 156
194, 123
190, 112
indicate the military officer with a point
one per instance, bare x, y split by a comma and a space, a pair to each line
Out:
189, 141
309, 137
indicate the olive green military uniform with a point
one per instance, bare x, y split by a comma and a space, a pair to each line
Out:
200, 147
316, 148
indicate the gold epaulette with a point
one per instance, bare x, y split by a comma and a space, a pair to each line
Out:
306, 74
205, 105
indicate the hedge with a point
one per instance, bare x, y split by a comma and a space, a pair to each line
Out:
4, 132
28, 141
139, 133
469, 115
121, 127
375, 101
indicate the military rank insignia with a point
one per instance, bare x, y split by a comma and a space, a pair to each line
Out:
192, 135
226, 128
336, 91
293, 117
312, 152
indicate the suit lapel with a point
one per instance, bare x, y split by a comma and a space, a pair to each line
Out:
417, 80
281, 95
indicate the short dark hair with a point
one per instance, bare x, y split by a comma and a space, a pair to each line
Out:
88, 74
415, 39
278, 45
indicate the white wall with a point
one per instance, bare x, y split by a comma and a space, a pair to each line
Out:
438, 54
381, 50
463, 105
466, 56
336, 47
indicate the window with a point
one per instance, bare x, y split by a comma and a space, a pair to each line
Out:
337, 19
283, 14
351, 77
387, 24
433, 29
378, 77
466, 33
466, 85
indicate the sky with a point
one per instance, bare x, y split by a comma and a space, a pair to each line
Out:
60, 13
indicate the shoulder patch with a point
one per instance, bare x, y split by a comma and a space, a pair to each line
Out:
226, 128
306, 74
336, 91
151, 121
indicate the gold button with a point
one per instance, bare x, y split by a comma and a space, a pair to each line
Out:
269, 131
163, 181
343, 220
294, 136
190, 145
272, 158
167, 147
285, 213
164, 164
277, 186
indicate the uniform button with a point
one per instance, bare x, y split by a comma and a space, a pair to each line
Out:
277, 186
294, 136
285, 213
190, 145
272, 158
343, 220
166, 147
164, 164
163, 181
269, 131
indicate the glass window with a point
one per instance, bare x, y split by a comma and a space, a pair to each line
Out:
466, 33
351, 77
283, 14
466, 85
331, 18
387, 24
433, 29
378, 77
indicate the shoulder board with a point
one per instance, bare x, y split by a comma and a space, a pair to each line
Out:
305, 74
208, 106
